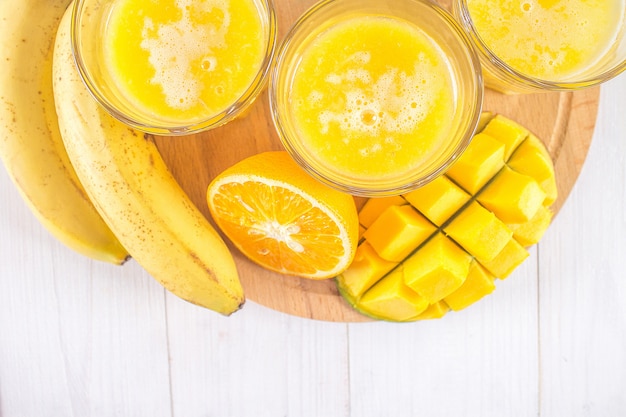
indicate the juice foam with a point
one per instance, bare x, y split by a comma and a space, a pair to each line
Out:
373, 97
548, 39
175, 58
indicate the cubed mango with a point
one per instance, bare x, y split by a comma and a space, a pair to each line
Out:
391, 299
482, 159
479, 231
373, 207
509, 258
441, 247
438, 200
484, 118
530, 232
365, 270
513, 197
434, 311
397, 232
508, 132
531, 158
478, 284
437, 269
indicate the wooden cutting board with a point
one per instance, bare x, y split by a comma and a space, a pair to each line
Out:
564, 121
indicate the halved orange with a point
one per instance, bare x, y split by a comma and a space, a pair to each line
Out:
283, 219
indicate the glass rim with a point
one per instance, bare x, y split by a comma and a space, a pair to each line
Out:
173, 129
398, 184
520, 78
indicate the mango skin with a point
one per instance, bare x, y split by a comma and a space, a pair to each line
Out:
491, 235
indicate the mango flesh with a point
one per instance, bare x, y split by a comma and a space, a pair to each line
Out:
506, 131
479, 163
397, 231
512, 255
438, 200
366, 269
441, 247
374, 208
479, 231
530, 232
478, 283
437, 269
392, 297
532, 158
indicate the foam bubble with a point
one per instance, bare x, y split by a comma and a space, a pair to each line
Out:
333, 79
552, 39
361, 57
209, 63
360, 74
176, 47
315, 97
395, 102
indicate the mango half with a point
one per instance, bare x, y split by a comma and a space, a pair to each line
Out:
442, 247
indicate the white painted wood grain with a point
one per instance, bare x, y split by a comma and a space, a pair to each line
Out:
257, 362
77, 338
582, 279
80, 338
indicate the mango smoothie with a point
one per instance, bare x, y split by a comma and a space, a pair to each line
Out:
551, 40
370, 102
381, 104
183, 61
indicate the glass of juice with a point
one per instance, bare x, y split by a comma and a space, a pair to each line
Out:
529, 46
375, 97
174, 67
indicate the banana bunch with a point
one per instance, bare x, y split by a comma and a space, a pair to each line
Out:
133, 190
99, 186
30, 142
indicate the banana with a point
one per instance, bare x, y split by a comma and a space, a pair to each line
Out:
140, 200
30, 142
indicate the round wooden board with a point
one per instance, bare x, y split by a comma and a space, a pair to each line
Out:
564, 121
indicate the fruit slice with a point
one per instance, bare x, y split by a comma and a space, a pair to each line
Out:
283, 219
486, 209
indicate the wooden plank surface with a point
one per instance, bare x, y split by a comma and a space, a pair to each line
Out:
564, 121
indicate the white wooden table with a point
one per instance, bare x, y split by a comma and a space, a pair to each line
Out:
81, 339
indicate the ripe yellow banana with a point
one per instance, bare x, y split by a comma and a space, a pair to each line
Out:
30, 142
137, 196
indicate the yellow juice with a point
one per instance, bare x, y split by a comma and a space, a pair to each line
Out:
553, 40
373, 97
183, 61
